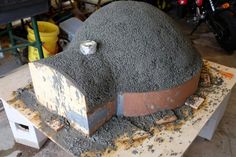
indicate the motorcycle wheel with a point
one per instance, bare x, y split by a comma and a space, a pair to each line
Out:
181, 11
225, 30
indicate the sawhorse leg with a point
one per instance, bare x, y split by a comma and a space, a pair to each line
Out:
10, 33
210, 127
38, 43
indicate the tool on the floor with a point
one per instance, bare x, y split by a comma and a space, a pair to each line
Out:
224, 73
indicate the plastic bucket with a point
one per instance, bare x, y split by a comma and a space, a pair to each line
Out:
48, 33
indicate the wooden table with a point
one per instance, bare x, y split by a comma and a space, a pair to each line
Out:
167, 140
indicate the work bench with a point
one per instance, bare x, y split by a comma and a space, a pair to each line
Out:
171, 139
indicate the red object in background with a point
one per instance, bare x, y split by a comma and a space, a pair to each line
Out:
182, 2
199, 2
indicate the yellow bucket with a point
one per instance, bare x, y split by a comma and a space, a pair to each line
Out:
48, 33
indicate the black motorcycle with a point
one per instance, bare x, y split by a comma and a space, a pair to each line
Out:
220, 15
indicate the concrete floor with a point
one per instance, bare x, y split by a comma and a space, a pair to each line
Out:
223, 143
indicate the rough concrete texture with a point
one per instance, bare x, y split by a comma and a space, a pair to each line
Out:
140, 49
104, 138
148, 121
77, 143
108, 134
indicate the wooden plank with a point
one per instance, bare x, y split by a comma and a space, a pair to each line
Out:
168, 140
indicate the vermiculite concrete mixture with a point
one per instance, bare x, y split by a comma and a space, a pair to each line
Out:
136, 63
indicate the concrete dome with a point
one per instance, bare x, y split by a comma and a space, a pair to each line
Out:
140, 49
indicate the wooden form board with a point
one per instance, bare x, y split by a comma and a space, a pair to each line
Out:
169, 140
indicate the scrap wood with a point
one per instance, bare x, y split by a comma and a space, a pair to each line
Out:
141, 134
166, 119
123, 139
206, 79
194, 101
55, 124
133, 141
138, 135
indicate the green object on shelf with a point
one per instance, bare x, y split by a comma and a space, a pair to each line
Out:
37, 38
37, 44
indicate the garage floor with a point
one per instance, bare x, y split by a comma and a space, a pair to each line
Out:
223, 143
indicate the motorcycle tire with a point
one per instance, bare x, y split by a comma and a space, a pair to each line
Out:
225, 30
181, 11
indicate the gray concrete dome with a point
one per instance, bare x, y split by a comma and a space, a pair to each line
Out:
140, 49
